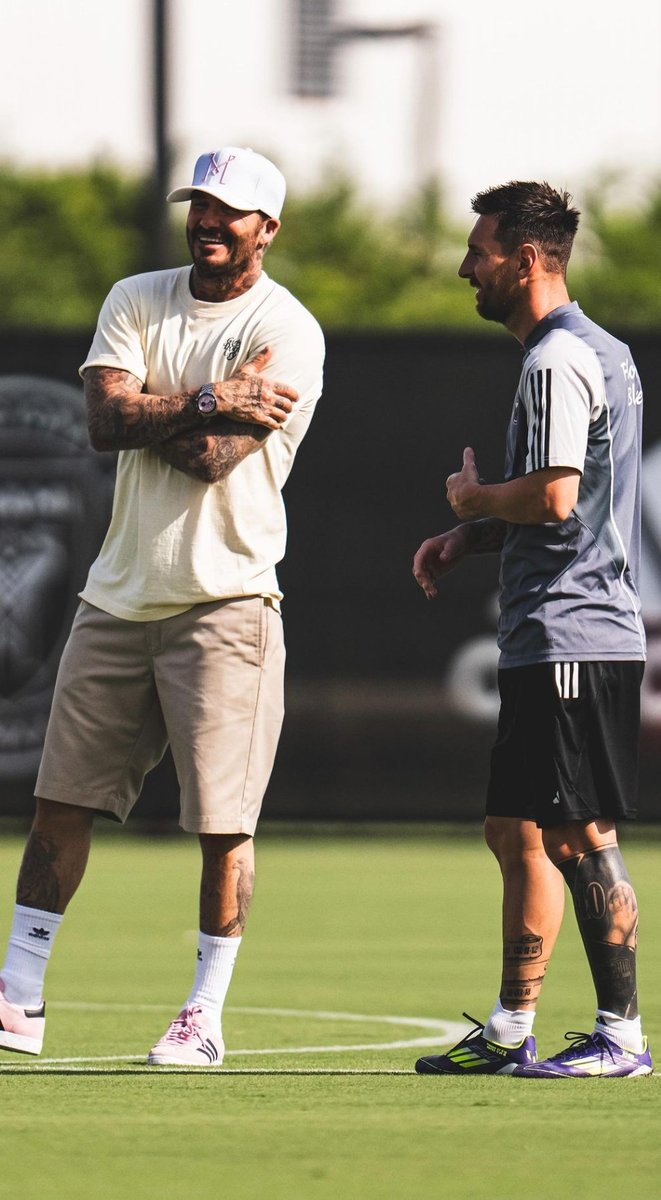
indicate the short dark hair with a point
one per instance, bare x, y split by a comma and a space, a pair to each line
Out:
532, 212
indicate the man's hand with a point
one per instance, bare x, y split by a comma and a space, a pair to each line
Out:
623, 915
464, 488
253, 399
437, 556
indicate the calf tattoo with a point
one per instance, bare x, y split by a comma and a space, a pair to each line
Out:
38, 884
607, 914
524, 968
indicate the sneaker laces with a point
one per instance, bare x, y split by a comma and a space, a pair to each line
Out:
183, 1026
596, 1039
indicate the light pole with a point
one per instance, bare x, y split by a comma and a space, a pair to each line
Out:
159, 250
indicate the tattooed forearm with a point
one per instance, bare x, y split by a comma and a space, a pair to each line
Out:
487, 536
38, 884
121, 416
212, 456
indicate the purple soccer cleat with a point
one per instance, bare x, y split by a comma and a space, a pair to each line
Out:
589, 1056
475, 1055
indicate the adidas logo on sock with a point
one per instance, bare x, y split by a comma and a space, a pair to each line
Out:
42, 935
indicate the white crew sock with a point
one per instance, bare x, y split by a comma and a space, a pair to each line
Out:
30, 944
627, 1034
215, 963
509, 1028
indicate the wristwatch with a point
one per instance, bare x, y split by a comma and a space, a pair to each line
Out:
206, 400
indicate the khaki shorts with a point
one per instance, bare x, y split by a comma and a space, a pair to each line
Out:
208, 681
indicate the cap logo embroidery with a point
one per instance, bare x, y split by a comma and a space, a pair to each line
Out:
218, 169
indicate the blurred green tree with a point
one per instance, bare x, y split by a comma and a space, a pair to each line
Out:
616, 276
66, 237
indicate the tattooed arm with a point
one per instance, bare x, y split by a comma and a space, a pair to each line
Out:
211, 454
121, 416
439, 555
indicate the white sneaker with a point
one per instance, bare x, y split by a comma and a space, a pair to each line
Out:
190, 1041
21, 1029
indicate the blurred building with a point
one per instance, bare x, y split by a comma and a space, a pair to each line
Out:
388, 92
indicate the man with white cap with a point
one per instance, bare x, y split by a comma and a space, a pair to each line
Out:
178, 637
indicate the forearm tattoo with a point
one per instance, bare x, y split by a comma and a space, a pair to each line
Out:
208, 454
38, 884
487, 536
122, 417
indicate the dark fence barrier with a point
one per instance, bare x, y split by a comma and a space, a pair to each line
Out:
391, 700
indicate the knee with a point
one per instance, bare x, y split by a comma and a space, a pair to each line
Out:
225, 847
52, 817
512, 840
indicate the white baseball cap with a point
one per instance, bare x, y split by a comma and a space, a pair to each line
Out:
240, 178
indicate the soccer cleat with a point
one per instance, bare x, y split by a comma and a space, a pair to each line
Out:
21, 1029
191, 1041
590, 1056
477, 1055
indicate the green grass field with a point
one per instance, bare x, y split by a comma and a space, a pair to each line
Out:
363, 945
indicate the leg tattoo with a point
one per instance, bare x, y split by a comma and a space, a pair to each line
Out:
218, 898
523, 971
245, 882
607, 914
38, 883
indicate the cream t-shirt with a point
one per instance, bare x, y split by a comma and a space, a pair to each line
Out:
174, 541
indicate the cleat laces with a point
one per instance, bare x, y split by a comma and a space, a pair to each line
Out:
583, 1041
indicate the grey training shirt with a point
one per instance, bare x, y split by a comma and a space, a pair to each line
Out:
569, 590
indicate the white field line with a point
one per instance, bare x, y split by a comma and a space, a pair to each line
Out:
142, 1069
445, 1032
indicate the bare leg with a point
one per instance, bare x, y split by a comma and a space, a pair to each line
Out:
533, 906
55, 856
228, 879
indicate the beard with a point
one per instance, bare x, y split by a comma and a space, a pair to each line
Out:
497, 303
240, 258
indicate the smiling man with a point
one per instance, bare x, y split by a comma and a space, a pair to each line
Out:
178, 638
566, 522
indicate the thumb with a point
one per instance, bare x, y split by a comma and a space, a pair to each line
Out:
469, 459
259, 360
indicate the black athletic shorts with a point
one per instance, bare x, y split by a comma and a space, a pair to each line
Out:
567, 742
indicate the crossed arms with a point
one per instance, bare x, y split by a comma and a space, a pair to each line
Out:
249, 406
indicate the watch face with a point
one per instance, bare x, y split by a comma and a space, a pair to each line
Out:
206, 402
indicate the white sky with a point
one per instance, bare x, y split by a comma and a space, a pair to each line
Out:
523, 89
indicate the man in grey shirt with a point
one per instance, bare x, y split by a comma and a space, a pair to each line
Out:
566, 522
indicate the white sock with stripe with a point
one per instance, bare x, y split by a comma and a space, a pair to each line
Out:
216, 957
30, 944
